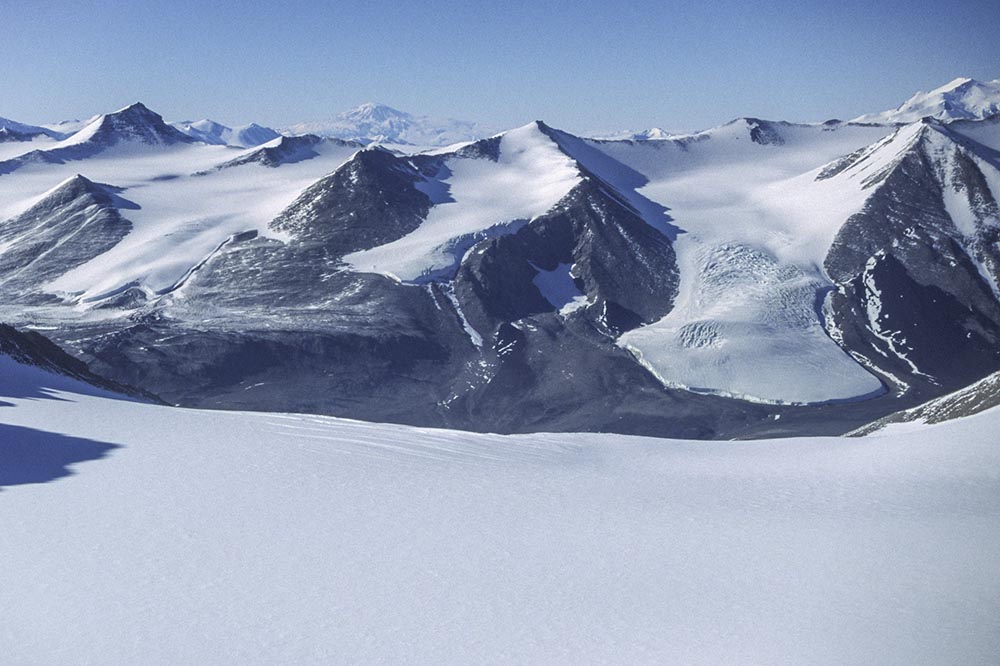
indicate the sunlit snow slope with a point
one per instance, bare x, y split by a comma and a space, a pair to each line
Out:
960, 99
231, 538
472, 198
183, 207
755, 227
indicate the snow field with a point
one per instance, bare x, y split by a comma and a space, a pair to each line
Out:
239, 538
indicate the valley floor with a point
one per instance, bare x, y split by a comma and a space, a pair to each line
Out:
194, 537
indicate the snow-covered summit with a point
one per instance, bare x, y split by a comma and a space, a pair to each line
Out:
134, 123
215, 133
375, 122
960, 99
651, 134
71, 126
13, 129
475, 198
374, 112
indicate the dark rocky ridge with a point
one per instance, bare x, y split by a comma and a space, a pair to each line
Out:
34, 349
289, 150
263, 324
903, 257
76, 222
133, 124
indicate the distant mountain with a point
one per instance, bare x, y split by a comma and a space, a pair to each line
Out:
11, 130
67, 127
132, 125
379, 123
289, 150
135, 123
653, 133
961, 99
241, 136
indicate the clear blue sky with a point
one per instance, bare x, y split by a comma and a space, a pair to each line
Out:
578, 65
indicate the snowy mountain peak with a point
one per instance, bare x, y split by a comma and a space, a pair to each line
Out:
137, 110
20, 131
378, 123
955, 83
78, 180
134, 123
77, 186
960, 99
69, 188
373, 112
217, 134
653, 133
205, 125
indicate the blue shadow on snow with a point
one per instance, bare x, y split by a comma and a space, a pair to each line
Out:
35, 456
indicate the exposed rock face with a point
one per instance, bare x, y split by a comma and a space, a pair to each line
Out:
134, 124
289, 150
76, 222
34, 349
977, 397
624, 268
481, 348
916, 295
518, 327
369, 201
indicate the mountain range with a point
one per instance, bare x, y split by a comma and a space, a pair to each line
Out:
757, 278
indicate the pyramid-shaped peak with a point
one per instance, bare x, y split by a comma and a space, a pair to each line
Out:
134, 123
137, 110
534, 127
75, 184
72, 188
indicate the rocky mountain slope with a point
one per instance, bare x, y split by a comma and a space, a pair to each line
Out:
973, 399
760, 277
26, 356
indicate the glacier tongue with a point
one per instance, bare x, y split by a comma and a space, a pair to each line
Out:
748, 329
755, 224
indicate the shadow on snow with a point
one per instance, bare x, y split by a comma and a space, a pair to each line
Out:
35, 456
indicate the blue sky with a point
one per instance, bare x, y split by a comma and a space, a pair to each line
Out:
584, 65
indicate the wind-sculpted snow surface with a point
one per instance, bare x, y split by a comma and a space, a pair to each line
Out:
229, 538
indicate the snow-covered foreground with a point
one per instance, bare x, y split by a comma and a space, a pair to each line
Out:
235, 538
